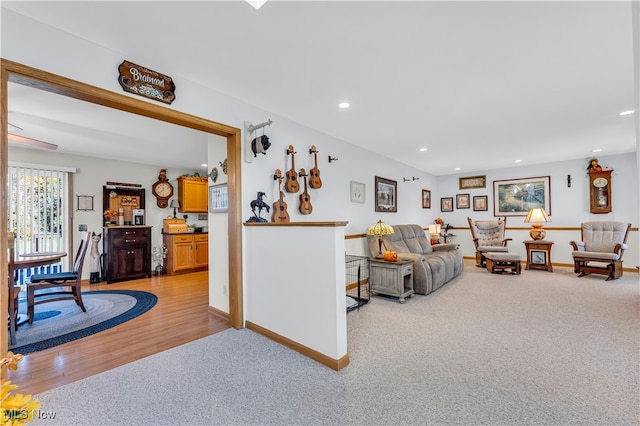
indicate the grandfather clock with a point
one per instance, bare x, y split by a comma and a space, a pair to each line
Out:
600, 191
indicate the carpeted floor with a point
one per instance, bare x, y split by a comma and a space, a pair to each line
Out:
536, 349
60, 322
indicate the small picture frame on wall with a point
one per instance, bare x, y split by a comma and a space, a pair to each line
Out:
446, 204
426, 199
357, 192
480, 203
85, 202
462, 201
218, 198
386, 195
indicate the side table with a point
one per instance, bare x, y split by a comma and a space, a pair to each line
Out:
392, 278
538, 254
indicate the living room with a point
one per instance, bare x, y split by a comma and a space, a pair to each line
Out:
569, 204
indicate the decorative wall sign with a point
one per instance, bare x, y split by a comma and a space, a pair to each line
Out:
145, 82
471, 182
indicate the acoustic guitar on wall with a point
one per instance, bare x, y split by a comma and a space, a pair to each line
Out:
305, 198
280, 214
314, 174
292, 185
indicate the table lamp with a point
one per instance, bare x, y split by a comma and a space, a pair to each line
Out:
175, 204
434, 231
536, 216
379, 229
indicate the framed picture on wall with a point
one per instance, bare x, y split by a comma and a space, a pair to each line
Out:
357, 192
386, 195
516, 197
426, 199
480, 203
446, 204
462, 201
218, 198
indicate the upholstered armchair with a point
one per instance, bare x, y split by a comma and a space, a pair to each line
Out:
600, 249
488, 235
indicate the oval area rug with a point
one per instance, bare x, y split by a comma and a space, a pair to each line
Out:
60, 322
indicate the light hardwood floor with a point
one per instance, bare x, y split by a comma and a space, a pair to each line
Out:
180, 316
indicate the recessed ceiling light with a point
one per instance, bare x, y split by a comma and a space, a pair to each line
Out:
344, 105
597, 150
457, 168
256, 3
204, 164
423, 149
518, 161
628, 112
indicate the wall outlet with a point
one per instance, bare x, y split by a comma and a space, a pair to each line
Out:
82, 228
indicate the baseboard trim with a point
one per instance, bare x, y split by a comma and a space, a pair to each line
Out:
218, 313
335, 364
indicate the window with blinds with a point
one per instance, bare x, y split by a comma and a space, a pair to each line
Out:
38, 212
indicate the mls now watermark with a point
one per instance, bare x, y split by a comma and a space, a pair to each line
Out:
12, 415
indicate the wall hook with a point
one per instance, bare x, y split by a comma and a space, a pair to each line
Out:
409, 180
332, 159
568, 181
251, 128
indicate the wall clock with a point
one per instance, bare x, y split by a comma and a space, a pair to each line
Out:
600, 191
162, 189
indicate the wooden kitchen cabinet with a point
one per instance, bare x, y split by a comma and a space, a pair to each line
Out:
127, 251
186, 252
192, 194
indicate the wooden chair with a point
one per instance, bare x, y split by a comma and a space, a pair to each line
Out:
603, 243
488, 235
66, 285
14, 290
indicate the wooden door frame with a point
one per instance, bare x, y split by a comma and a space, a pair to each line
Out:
33, 77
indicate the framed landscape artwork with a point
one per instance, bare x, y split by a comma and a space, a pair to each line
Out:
480, 203
426, 199
446, 204
516, 197
386, 195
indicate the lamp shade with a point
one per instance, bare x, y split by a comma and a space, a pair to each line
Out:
537, 215
380, 228
175, 204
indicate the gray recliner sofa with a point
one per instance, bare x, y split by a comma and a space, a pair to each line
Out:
433, 266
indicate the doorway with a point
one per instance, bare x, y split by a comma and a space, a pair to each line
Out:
21, 74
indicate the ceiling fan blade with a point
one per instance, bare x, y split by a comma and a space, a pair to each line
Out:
30, 141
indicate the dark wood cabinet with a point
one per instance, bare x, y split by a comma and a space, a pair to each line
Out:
127, 252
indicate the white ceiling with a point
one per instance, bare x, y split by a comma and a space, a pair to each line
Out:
480, 84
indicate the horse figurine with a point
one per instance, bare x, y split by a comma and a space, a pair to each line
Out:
259, 204
96, 268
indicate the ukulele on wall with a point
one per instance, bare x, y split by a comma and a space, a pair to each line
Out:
280, 214
305, 199
314, 174
292, 185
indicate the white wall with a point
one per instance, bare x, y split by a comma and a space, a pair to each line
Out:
569, 205
31, 43
92, 174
